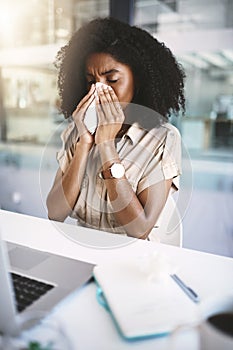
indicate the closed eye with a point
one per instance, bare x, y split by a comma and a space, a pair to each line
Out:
112, 80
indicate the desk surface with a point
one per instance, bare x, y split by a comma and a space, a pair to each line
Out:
88, 325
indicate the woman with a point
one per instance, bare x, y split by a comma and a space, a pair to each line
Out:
118, 178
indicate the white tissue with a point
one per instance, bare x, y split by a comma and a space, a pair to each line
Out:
98, 84
90, 120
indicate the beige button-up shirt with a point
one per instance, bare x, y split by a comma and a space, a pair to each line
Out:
148, 157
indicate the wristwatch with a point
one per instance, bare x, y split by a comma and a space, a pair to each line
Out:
115, 171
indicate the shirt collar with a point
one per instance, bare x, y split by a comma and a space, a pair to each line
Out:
134, 133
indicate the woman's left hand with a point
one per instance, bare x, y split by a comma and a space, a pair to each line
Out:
110, 115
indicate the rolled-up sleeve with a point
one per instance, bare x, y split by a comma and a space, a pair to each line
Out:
171, 159
69, 138
165, 162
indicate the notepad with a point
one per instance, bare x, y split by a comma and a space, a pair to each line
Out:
141, 307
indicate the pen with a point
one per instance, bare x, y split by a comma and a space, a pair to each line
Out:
189, 291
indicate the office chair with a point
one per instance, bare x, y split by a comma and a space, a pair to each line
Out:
168, 229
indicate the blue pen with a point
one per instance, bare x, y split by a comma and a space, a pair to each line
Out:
189, 291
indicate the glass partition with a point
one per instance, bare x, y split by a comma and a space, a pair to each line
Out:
41, 22
32, 31
30, 104
209, 94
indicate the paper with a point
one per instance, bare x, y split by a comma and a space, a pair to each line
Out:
91, 120
140, 306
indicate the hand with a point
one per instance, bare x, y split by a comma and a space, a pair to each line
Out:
79, 115
110, 115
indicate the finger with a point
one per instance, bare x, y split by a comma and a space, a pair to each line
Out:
81, 110
87, 99
116, 106
84, 104
113, 104
107, 95
104, 100
99, 111
109, 99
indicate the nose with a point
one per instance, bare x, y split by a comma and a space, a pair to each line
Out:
101, 80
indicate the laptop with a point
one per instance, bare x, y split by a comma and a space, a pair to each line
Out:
32, 280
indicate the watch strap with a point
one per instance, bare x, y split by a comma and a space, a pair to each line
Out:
106, 174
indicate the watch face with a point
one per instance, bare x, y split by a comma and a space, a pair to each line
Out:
117, 170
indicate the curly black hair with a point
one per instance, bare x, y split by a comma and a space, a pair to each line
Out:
159, 77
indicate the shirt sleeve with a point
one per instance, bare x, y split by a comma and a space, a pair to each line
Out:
171, 160
69, 138
165, 163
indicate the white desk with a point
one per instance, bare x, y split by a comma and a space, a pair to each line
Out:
88, 325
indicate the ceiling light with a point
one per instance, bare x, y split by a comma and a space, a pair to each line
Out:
195, 61
214, 59
228, 54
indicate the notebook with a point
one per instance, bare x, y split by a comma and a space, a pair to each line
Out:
32, 280
141, 307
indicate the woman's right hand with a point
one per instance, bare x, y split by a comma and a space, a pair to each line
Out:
79, 114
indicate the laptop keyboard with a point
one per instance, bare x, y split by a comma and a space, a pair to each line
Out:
28, 290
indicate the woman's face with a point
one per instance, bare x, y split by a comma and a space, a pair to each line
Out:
102, 67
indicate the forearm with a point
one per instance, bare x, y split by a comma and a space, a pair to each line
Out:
127, 208
66, 188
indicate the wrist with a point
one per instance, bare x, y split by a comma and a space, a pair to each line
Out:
106, 143
108, 153
108, 149
86, 137
115, 171
85, 144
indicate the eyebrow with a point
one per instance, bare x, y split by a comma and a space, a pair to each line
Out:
106, 72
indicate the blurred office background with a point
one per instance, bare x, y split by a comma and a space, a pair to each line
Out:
200, 34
